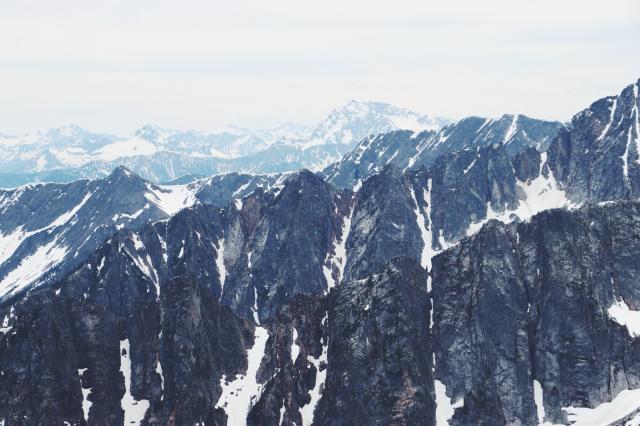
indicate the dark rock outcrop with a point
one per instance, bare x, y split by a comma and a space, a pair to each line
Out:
288, 247
525, 302
596, 157
383, 224
379, 351
408, 150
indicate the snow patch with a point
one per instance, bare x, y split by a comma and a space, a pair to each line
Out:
445, 407
307, 411
620, 313
134, 410
606, 128
9, 243
635, 421
240, 394
86, 404
295, 349
222, 270
137, 243
542, 193
427, 251
538, 397
512, 130
126, 148
170, 198
33, 267
624, 404
338, 256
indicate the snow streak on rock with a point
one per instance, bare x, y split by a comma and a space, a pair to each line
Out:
240, 394
620, 313
308, 410
624, 404
134, 410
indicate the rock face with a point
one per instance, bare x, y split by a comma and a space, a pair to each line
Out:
201, 340
380, 350
288, 248
40, 340
383, 224
407, 150
597, 157
555, 280
466, 185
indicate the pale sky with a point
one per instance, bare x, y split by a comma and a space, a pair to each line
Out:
115, 65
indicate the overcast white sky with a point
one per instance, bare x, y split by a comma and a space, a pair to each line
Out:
115, 65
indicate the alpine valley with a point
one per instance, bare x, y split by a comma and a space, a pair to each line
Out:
382, 268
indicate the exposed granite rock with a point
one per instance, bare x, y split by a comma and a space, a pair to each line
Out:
38, 365
298, 330
596, 157
383, 224
201, 340
408, 150
530, 301
526, 164
379, 351
465, 185
288, 247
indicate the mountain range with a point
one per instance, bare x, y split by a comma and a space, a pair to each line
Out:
477, 272
69, 152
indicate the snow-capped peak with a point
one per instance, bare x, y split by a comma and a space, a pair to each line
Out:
161, 153
357, 119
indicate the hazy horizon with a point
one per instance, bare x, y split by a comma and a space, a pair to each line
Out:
113, 67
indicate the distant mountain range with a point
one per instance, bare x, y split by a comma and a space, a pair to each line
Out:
67, 153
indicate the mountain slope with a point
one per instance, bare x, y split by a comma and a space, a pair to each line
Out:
378, 334
558, 281
598, 155
47, 229
408, 150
